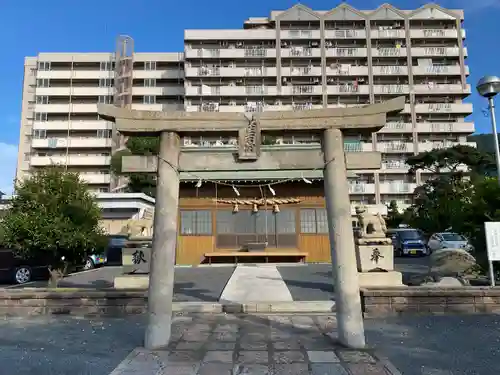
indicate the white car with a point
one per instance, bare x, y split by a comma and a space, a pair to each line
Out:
448, 240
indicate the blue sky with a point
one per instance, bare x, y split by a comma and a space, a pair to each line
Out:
29, 27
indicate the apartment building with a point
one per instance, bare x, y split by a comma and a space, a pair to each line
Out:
292, 60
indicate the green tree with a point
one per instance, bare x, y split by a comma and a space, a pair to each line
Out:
394, 217
53, 217
137, 182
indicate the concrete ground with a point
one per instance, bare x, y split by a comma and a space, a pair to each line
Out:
313, 282
191, 284
434, 345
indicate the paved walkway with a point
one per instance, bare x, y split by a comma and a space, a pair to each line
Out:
259, 283
254, 345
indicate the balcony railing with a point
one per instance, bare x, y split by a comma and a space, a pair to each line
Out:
302, 106
353, 146
389, 52
440, 107
209, 107
209, 71
391, 69
301, 71
303, 89
208, 52
254, 72
395, 146
255, 52
434, 33
301, 52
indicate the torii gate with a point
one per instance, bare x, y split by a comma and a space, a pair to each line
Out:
171, 160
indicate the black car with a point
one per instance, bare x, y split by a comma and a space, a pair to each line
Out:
20, 271
114, 251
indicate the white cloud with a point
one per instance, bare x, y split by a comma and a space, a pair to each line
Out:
8, 163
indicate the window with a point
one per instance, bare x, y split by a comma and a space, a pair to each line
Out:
105, 82
39, 133
313, 220
103, 190
150, 82
44, 65
40, 116
42, 82
196, 222
105, 65
150, 65
103, 133
42, 99
149, 99
236, 229
104, 99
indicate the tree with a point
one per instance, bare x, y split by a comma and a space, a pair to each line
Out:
394, 217
55, 218
137, 182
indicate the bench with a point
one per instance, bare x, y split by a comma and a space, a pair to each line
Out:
256, 254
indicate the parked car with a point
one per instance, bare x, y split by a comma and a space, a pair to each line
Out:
448, 240
114, 251
408, 241
21, 271
93, 261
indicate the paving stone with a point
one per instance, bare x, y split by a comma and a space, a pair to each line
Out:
366, 369
253, 370
226, 328
185, 356
221, 345
200, 328
326, 323
319, 343
224, 336
196, 336
286, 345
253, 357
355, 356
288, 356
290, 369
322, 356
189, 345
281, 335
219, 356
181, 369
254, 345
328, 369
303, 322
215, 369
254, 337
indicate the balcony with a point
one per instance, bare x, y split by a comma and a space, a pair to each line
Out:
394, 166
53, 108
346, 70
87, 142
91, 91
436, 51
301, 71
397, 127
438, 88
389, 52
54, 91
391, 89
302, 90
345, 34
357, 146
348, 88
147, 107
390, 70
459, 108
230, 53
301, 52
300, 34
446, 127
231, 72
433, 145
397, 187
395, 147
346, 52
361, 188
95, 178
97, 160
93, 74
434, 33
158, 74
55, 74
84, 108
73, 125
452, 70
387, 34
173, 90
206, 90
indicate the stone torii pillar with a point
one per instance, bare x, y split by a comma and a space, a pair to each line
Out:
333, 123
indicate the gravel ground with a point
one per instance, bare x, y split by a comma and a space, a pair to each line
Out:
435, 345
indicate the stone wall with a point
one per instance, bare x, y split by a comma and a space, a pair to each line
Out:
376, 302
421, 300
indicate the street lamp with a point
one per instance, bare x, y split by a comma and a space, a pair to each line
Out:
488, 87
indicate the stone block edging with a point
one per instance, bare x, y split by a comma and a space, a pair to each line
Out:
430, 301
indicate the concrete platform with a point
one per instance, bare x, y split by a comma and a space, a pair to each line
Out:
131, 282
380, 279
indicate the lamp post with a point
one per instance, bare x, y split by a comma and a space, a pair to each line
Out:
488, 87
